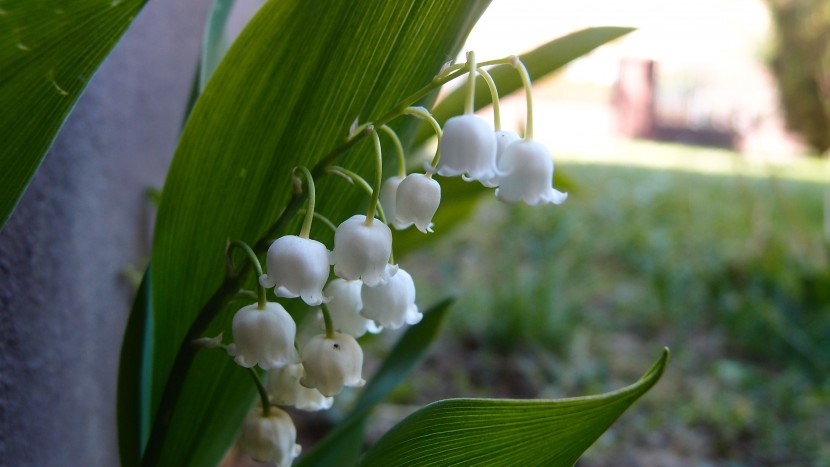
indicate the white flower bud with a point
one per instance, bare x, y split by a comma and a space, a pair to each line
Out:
388, 197
264, 337
284, 388
269, 439
298, 267
504, 138
391, 304
362, 251
527, 174
331, 363
345, 306
468, 148
417, 201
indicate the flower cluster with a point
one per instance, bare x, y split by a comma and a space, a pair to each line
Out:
356, 287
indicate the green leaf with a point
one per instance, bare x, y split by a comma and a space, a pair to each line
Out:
498, 432
285, 95
48, 53
134, 374
343, 445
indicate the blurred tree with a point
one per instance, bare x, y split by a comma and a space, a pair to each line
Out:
801, 64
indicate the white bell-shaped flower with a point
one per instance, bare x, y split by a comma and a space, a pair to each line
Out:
331, 363
284, 388
388, 199
527, 174
269, 439
298, 267
504, 138
345, 306
417, 201
362, 251
392, 304
264, 337
468, 148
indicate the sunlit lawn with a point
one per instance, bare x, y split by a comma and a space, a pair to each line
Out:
725, 262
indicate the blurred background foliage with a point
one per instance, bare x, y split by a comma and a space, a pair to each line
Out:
730, 267
801, 63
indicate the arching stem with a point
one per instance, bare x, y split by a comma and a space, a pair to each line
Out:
321, 218
312, 196
424, 114
260, 290
520, 67
373, 203
398, 148
328, 322
469, 104
263, 394
494, 96
356, 179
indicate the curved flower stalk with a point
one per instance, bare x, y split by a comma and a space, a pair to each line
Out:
284, 388
468, 144
345, 308
331, 363
392, 304
417, 201
263, 337
527, 166
269, 438
298, 266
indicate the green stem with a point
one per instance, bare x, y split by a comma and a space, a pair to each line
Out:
260, 290
323, 219
263, 394
312, 196
373, 203
398, 148
233, 282
469, 104
424, 114
494, 96
356, 179
328, 322
520, 67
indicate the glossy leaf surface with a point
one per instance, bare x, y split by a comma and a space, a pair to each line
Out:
49, 51
272, 105
498, 432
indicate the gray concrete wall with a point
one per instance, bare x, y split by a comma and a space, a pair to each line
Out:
83, 220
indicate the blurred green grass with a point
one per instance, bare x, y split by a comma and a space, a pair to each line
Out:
726, 263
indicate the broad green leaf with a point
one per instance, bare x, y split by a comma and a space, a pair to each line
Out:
134, 377
343, 445
497, 432
285, 94
458, 198
49, 50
